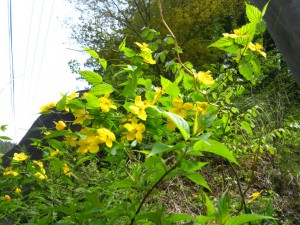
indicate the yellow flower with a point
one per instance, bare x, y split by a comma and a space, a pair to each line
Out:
105, 104
69, 98
73, 95
258, 48
48, 106
201, 107
67, 170
149, 60
9, 171
41, 165
237, 33
135, 130
205, 78
47, 133
139, 108
159, 92
40, 176
71, 141
195, 196
18, 190
106, 136
89, 143
81, 115
55, 153
20, 157
180, 109
7, 198
255, 195
60, 125
143, 47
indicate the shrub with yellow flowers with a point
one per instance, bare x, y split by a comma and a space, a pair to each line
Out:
135, 135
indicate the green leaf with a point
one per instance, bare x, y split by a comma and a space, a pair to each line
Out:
101, 89
169, 40
129, 52
164, 82
222, 42
245, 70
44, 220
210, 209
253, 13
5, 138
180, 123
92, 53
265, 8
103, 63
3, 127
91, 77
130, 87
214, 147
173, 90
245, 218
61, 103
159, 147
64, 209
247, 127
175, 218
188, 80
55, 144
197, 179
122, 45
127, 183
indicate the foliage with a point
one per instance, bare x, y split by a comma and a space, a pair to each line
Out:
136, 135
196, 24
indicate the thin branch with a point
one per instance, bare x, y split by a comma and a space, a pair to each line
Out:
177, 48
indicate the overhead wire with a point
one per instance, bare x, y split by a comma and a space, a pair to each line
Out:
11, 60
27, 47
44, 46
34, 55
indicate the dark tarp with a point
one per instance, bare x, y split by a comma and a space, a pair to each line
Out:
283, 23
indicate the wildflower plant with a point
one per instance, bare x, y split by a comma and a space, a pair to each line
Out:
137, 135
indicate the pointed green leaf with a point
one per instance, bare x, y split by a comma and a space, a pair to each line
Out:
253, 13
129, 52
180, 123
101, 89
265, 9
197, 179
5, 138
173, 90
92, 52
103, 63
222, 42
245, 218
122, 45
247, 127
123, 184
175, 218
210, 209
215, 147
92, 78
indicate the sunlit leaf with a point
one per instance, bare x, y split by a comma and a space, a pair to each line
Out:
245, 218
215, 147
91, 77
101, 89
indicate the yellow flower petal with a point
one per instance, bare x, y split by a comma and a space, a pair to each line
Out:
20, 156
60, 125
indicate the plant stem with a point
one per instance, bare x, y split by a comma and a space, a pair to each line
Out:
150, 191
